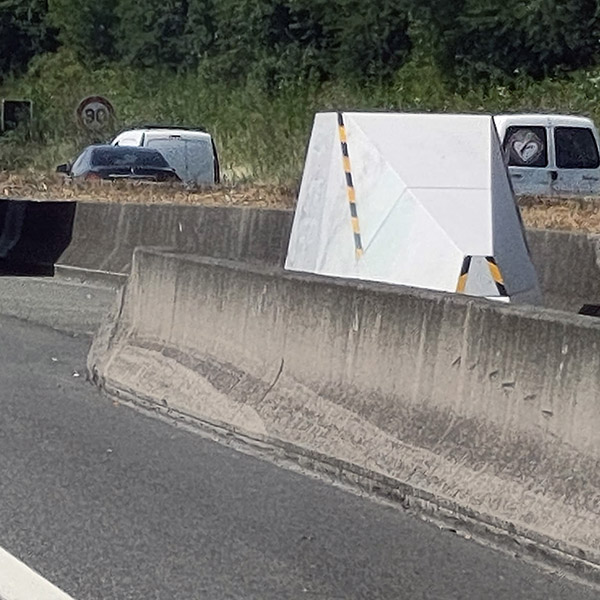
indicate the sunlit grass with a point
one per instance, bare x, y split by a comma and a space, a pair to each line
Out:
261, 135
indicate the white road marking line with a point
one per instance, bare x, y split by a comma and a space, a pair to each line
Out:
19, 582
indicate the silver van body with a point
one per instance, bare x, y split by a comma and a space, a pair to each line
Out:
551, 155
191, 153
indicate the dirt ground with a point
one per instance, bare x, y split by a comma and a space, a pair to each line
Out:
581, 214
568, 214
42, 186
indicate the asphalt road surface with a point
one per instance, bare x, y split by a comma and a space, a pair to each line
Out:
108, 503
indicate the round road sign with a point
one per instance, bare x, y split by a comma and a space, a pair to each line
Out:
95, 113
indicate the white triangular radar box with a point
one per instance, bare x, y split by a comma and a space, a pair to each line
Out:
420, 200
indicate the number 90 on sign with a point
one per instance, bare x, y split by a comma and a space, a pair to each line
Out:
95, 113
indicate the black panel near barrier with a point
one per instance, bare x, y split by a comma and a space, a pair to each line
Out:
33, 235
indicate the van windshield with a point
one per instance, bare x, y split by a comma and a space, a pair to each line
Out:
192, 159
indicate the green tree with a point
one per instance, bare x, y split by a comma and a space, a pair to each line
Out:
88, 27
24, 32
151, 31
200, 31
372, 38
299, 41
491, 39
171, 33
295, 39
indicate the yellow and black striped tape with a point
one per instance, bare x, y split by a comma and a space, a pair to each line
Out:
464, 273
358, 247
494, 270
496, 275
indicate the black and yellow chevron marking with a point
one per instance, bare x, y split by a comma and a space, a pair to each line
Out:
494, 270
496, 275
464, 273
358, 247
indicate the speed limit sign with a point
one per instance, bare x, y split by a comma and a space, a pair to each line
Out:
95, 113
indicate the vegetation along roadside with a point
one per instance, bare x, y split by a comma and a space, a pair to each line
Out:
255, 72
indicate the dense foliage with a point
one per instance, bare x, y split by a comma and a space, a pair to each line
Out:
24, 32
512, 37
88, 27
254, 72
271, 41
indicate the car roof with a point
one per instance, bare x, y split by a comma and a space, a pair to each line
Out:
167, 132
543, 120
174, 128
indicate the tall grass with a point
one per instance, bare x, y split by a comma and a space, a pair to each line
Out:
261, 135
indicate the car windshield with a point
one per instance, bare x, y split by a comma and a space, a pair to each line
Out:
121, 156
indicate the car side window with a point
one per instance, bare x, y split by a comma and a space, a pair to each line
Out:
526, 146
576, 148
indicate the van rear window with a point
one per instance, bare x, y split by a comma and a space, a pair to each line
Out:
526, 146
576, 148
193, 159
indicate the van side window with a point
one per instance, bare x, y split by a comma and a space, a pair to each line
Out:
526, 146
576, 148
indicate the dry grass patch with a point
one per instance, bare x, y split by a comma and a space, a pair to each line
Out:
44, 186
572, 214
568, 214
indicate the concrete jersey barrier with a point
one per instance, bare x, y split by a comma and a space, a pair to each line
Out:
85, 238
568, 267
105, 235
483, 406
91, 237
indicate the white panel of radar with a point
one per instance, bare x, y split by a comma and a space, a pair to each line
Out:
421, 200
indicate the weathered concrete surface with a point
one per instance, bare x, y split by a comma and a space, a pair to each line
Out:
84, 238
489, 407
568, 267
105, 235
100, 237
110, 504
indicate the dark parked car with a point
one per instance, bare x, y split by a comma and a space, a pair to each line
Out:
120, 162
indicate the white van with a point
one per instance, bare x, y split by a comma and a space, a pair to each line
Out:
192, 153
551, 154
